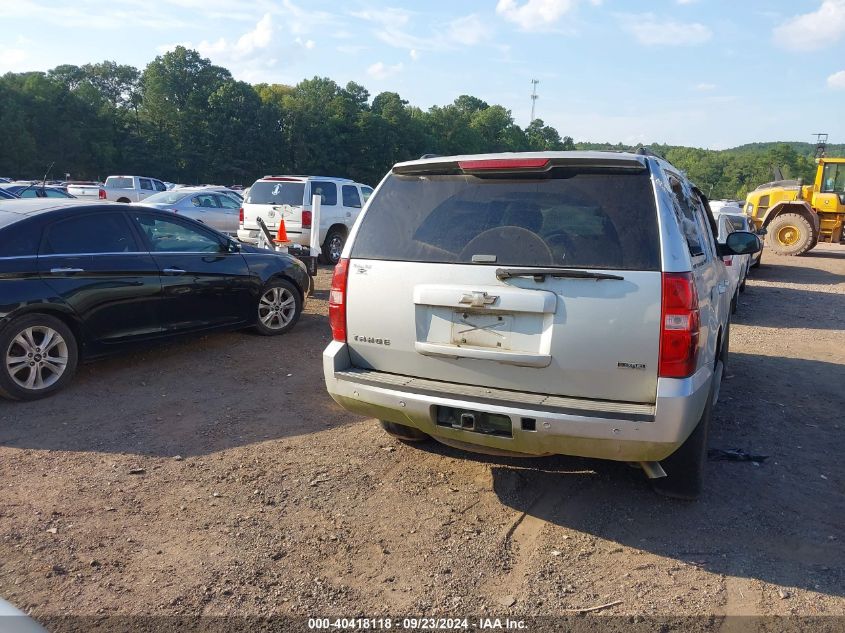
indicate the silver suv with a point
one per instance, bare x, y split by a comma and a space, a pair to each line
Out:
548, 303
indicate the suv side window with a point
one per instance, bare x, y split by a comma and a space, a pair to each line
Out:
145, 184
326, 190
690, 226
366, 192
89, 235
351, 197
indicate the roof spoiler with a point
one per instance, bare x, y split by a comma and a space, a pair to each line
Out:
515, 165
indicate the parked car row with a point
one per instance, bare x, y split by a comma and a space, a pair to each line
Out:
572, 303
730, 218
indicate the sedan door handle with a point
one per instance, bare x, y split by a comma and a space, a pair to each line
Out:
173, 271
60, 271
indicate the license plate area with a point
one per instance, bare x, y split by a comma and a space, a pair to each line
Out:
475, 421
478, 329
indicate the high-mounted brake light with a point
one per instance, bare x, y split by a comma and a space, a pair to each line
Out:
306, 219
337, 300
679, 326
503, 164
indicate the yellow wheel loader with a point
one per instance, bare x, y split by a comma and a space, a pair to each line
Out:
798, 216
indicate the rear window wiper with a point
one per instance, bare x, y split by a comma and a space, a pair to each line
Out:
540, 274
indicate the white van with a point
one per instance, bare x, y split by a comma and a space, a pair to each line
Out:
274, 197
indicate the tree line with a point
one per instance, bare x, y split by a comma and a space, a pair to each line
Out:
184, 119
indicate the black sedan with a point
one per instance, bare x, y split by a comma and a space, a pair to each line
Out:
35, 191
79, 281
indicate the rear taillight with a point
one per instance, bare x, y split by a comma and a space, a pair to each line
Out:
306, 219
241, 216
337, 301
679, 322
101, 194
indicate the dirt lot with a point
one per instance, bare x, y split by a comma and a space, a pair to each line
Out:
260, 496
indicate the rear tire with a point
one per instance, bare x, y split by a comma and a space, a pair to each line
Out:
333, 246
685, 467
791, 234
404, 432
279, 307
39, 355
758, 262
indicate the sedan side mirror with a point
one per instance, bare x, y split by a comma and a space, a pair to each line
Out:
741, 243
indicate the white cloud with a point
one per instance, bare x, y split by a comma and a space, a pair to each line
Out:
414, 54
380, 70
469, 30
650, 30
686, 1
393, 27
223, 51
704, 87
12, 59
535, 15
837, 80
813, 31
309, 44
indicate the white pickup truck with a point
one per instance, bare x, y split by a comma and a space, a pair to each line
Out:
120, 189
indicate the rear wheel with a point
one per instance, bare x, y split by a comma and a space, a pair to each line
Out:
791, 234
404, 432
685, 467
40, 354
333, 246
279, 308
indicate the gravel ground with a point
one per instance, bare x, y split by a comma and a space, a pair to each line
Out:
216, 477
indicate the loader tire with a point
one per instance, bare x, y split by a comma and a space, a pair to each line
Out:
791, 234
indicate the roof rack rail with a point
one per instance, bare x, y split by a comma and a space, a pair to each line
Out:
644, 151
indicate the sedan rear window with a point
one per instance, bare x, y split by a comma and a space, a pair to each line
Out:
570, 218
282, 192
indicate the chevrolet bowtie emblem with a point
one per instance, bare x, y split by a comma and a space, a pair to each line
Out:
478, 299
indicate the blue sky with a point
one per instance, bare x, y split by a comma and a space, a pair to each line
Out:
709, 73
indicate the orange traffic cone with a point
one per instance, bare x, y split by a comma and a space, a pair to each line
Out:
282, 234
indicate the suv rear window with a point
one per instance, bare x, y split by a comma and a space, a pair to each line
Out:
276, 192
570, 218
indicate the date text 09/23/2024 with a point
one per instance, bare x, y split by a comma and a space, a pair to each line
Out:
416, 624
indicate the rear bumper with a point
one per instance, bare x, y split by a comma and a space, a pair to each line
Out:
585, 428
250, 236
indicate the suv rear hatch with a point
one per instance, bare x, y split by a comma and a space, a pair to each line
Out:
274, 198
533, 275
